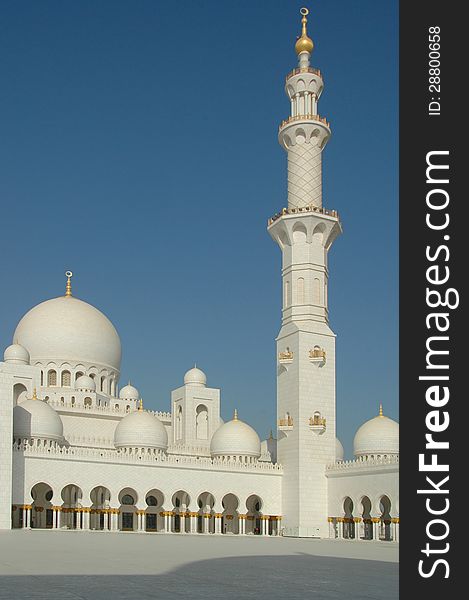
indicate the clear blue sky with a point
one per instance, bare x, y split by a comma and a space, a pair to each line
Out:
139, 150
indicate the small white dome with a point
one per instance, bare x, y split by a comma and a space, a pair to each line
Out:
85, 383
129, 392
195, 377
141, 429
16, 354
339, 450
235, 438
36, 419
377, 437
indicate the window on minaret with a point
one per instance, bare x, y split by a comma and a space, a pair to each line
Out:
201, 423
316, 291
286, 294
66, 379
102, 383
179, 423
52, 378
300, 291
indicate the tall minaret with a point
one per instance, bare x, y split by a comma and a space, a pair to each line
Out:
305, 345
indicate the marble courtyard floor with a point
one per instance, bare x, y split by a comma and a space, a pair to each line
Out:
68, 565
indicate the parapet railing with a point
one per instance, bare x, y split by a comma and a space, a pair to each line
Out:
139, 456
363, 463
110, 409
299, 70
302, 209
307, 117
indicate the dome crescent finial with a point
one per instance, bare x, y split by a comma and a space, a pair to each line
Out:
68, 287
235, 415
140, 405
381, 410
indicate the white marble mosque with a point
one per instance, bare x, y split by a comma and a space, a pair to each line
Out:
79, 452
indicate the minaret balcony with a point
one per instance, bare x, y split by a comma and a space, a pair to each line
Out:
317, 356
305, 118
303, 209
285, 357
285, 424
317, 424
299, 70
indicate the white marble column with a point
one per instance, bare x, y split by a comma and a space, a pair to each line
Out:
218, 517
331, 528
395, 530
242, 524
279, 525
114, 521
376, 524
340, 529
140, 521
26, 517
57, 517
86, 519
193, 519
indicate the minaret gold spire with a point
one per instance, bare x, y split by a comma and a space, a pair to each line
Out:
235, 415
140, 405
381, 410
68, 287
34, 394
304, 43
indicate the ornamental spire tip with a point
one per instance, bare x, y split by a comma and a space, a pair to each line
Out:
304, 43
68, 287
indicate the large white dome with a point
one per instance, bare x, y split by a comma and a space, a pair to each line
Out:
235, 438
68, 329
377, 437
36, 419
141, 429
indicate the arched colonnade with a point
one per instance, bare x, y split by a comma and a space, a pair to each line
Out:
174, 513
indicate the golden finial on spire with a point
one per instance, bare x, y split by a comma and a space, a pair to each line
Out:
140, 405
381, 410
34, 394
235, 415
304, 43
68, 287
